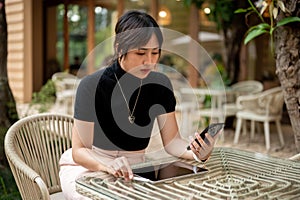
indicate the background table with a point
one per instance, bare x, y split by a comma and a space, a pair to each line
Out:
233, 174
195, 110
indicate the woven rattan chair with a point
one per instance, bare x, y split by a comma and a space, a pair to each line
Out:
33, 146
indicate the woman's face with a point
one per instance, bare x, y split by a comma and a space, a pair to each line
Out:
140, 62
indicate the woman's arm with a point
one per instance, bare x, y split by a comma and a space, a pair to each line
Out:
175, 145
82, 140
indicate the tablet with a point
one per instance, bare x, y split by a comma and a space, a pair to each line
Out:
167, 172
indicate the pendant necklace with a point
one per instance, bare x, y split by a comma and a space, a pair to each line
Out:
131, 117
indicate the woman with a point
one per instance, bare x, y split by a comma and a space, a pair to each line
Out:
115, 109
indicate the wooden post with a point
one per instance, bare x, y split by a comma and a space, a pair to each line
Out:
193, 53
120, 7
66, 37
90, 36
154, 9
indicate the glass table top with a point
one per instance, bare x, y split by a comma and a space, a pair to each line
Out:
232, 174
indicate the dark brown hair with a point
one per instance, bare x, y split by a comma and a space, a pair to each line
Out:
133, 30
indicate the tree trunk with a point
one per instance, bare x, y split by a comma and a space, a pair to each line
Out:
287, 45
233, 38
8, 112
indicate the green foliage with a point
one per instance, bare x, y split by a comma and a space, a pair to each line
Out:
222, 12
198, 3
256, 31
285, 21
3, 131
12, 111
8, 187
45, 98
263, 27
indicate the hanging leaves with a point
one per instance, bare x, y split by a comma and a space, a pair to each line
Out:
256, 31
261, 8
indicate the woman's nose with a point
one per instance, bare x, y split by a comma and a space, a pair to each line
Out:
148, 59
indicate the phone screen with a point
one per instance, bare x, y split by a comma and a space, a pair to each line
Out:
167, 171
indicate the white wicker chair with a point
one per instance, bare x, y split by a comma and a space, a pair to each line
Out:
33, 147
239, 89
263, 107
65, 85
295, 157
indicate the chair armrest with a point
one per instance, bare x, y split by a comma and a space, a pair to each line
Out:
267, 102
247, 101
30, 184
295, 157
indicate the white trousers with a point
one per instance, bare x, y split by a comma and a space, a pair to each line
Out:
70, 171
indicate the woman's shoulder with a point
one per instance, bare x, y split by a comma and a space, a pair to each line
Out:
92, 78
91, 81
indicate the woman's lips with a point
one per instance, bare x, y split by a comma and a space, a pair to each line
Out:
145, 70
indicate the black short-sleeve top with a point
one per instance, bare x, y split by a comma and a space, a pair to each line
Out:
100, 99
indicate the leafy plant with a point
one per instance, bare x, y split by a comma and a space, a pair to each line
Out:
198, 3
8, 187
261, 9
221, 12
45, 98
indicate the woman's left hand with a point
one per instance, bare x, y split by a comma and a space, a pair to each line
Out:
203, 150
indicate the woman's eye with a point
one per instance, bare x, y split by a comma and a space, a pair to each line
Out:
140, 53
155, 53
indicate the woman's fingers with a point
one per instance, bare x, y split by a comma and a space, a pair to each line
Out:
126, 169
120, 168
202, 149
210, 139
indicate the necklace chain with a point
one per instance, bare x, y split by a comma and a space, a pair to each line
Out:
131, 117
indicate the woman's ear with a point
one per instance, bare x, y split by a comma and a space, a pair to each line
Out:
118, 51
117, 48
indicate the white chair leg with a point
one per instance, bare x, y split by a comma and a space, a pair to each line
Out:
267, 134
244, 127
252, 129
237, 130
278, 125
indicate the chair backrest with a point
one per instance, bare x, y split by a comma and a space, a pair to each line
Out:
268, 102
247, 87
33, 146
62, 75
62, 80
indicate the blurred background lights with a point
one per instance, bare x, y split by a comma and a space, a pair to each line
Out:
98, 10
162, 14
206, 11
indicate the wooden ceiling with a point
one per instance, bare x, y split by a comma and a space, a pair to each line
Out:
110, 4
102, 3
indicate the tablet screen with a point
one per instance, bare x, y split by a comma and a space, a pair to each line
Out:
166, 171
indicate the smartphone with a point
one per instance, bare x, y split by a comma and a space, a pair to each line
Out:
212, 129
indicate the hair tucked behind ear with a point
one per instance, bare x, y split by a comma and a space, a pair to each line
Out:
134, 29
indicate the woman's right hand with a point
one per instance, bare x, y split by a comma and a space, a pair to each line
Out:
120, 167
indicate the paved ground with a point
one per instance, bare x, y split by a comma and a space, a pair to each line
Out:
256, 145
